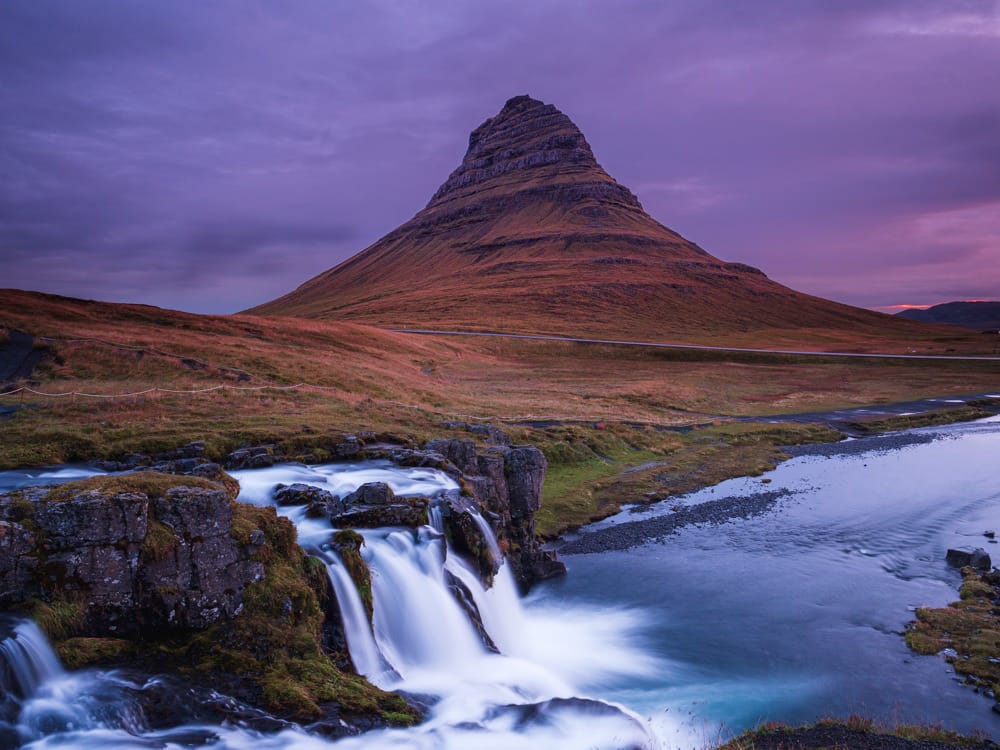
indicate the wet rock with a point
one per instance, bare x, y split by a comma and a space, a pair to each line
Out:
502, 483
372, 493
347, 544
410, 511
977, 558
467, 602
301, 494
524, 468
257, 457
468, 538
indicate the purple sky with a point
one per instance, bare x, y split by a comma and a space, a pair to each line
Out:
209, 156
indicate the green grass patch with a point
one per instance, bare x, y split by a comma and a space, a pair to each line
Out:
925, 419
593, 470
851, 732
969, 626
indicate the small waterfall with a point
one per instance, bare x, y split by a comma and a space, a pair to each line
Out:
43, 699
488, 535
418, 623
360, 641
28, 660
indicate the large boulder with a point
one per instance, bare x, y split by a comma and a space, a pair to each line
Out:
977, 559
375, 504
371, 493
199, 578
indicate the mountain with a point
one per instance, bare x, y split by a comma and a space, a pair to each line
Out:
980, 316
530, 234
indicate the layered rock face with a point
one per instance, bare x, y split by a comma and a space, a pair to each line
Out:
504, 485
131, 563
529, 234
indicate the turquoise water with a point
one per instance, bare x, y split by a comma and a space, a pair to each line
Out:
796, 614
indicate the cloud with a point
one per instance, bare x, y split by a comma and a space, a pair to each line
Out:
146, 145
979, 18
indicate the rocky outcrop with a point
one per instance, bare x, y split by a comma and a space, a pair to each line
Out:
503, 485
130, 561
17, 566
320, 503
525, 140
192, 458
370, 506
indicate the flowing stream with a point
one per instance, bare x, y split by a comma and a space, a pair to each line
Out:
792, 614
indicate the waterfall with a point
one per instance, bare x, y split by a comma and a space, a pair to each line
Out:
28, 660
488, 535
43, 699
424, 641
418, 623
480, 698
360, 641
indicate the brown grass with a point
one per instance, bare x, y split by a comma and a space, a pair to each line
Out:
367, 379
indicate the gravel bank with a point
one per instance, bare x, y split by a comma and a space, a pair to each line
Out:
630, 534
877, 443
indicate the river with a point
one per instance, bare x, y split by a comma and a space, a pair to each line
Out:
791, 615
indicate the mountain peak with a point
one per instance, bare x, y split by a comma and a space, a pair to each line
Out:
530, 234
528, 141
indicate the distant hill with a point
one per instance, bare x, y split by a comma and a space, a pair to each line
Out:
530, 234
980, 316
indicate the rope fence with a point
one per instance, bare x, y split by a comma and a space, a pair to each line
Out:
271, 387
130, 394
323, 388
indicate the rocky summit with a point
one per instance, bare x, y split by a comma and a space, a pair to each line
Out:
530, 234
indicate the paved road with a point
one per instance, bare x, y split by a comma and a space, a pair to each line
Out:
700, 347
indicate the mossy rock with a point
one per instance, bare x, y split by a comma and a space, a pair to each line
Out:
76, 653
970, 627
152, 484
348, 544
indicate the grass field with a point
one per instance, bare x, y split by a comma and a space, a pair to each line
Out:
598, 412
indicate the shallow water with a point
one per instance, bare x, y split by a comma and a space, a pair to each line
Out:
795, 615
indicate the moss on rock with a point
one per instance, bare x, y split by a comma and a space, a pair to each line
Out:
76, 653
969, 627
149, 483
348, 544
275, 642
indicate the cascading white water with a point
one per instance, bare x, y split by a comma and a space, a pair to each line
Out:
425, 634
48, 701
28, 659
360, 641
422, 642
